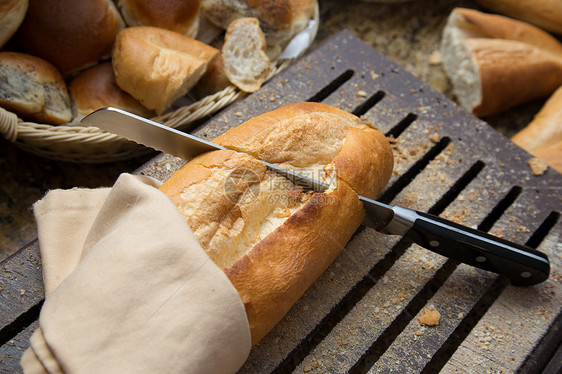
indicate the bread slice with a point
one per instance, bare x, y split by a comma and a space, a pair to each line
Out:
496, 63
245, 61
158, 66
33, 88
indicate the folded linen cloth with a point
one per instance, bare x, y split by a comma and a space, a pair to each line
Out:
129, 289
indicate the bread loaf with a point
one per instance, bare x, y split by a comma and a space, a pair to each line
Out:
280, 20
273, 239
12, 13
70, 34
181, 16
245, 62
496, 63
543, 136
546, 14
158, 66
95, 88
33, 88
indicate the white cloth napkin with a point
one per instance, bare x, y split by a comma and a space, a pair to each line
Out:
129, 289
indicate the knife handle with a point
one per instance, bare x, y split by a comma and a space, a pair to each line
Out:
522, 265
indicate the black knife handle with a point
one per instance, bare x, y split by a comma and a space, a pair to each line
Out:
522, 265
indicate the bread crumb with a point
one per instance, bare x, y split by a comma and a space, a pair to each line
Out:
434, 138
430, 317
538, 166
373, 75
435, 58
361, 93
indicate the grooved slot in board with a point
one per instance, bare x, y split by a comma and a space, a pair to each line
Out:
402, 125
331, 87
369, 103
25, 319
373, 276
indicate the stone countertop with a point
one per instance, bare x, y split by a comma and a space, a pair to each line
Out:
408, 33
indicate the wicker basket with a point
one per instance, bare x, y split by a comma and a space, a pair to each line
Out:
92, 145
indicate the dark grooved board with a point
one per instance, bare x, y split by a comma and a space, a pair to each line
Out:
361, 315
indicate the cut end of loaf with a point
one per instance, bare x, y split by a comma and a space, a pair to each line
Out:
458, 62
245, 61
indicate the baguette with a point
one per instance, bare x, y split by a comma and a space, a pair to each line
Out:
272, 239
546, 14
543, 136
496, 63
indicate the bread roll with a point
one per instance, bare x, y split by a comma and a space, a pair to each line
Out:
245, 62
33, 88
496, 63
12, 13
71, 34
95, 88
215, 78
546, 14
181, 16
158, 66
543, 136
272, 239
280, 20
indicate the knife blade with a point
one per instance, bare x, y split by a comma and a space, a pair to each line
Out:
520, 264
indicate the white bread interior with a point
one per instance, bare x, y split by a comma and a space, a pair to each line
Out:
245, 61
273, 239
33, 89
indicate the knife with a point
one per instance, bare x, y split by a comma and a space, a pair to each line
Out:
522, 265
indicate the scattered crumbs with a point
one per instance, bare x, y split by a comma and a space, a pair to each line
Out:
307, 368
272, 98
392, 140
441, 177
307, 67
361, 93
238, 114
434, 138
374, 75
538, 166
417, 333
430, 317
22, 292
435, 58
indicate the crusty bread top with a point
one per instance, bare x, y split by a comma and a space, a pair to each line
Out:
181, 16
279, 19
304, 135
546, 14
33, 88
95, 88
158, 66
12, 13
71, 34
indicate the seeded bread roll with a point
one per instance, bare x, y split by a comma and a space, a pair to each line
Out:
496, 63
158, 66
12, 13
245, 62
543, 136
70, 34
33, 88
273, 239
181, 16
280, 20
96, 88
